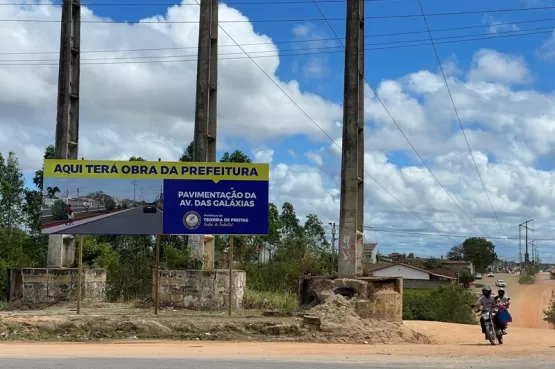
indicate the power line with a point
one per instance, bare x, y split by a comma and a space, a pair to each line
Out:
458, 117
327, 39
320, 128
261, 51
300, 53
401, 130
268, 2
389, 16
322, 39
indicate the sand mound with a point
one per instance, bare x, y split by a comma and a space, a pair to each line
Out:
339, 318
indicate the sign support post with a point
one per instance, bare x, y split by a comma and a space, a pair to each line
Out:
80, 274
230, 262
157, 276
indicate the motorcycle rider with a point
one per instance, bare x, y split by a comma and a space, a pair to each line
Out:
502, 298
485, 301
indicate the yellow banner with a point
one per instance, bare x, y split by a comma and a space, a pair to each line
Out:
54, 168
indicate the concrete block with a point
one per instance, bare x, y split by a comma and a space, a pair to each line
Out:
201, 289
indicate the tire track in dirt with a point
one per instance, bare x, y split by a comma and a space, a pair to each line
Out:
529, 301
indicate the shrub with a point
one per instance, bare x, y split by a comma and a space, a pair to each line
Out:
527, 279
466, 277
274, 276
180, 259
119, 207
444, 304
58, 210
417, 305
110, 204
550, 314
260, 300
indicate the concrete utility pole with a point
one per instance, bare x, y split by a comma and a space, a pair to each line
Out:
351, 217
206, 108
61, 248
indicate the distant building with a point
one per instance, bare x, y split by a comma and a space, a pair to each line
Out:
369, 253
406, 272
458, 266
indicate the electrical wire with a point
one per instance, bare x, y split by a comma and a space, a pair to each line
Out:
259, 51
458, 117
389, 16
319, 39
268, 2
300, 53
319, 127
402, 132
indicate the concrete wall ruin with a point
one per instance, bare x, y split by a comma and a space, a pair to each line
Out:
201, 289
53, 285
373, 297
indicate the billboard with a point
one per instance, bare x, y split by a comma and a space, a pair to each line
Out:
148, 198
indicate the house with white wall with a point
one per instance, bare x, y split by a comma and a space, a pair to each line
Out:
369, 253
413, 277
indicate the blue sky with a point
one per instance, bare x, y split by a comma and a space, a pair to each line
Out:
387, 58
380, 63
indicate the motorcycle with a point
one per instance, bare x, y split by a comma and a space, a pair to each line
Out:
495, 322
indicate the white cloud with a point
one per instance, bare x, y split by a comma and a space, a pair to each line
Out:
148, 110
144, 108
315, 158
315, 66
492, 66
547, 50
263, 156
496, 26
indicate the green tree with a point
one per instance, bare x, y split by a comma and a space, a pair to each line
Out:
58, 210
236, 156
11, 192
188, 154
38, 179
480, 251
109, 203
456, 253
465, 277
290, 224
34, 201
272, 240
315, 233
136, 158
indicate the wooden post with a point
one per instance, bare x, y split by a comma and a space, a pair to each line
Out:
230, 262
157, 276
79, 274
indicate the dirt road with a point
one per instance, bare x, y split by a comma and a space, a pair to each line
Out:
452, 342
528, 337
527, 301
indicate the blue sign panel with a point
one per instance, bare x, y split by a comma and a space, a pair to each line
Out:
208, 207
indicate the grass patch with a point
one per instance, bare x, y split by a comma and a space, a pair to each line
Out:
263, 300
527, 279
